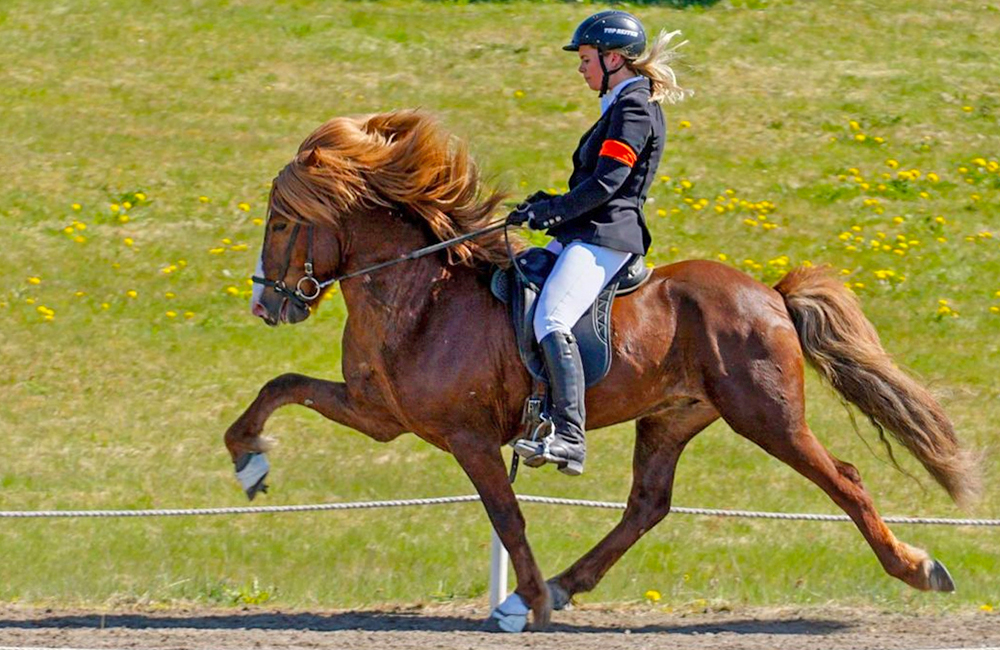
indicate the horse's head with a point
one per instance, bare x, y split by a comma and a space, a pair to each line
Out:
301, 253
344, 191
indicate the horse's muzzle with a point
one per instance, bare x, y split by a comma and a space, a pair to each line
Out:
287, 311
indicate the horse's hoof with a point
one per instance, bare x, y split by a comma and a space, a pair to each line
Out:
510, 616
510, 623
251, 470
560, 597
939, 579
260, 486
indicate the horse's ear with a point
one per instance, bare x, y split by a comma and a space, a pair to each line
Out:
313, 159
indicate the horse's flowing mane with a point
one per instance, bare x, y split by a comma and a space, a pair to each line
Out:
398, 160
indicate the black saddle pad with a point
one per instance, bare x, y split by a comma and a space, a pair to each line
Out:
592, 331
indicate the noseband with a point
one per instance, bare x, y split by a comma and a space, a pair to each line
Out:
299, 295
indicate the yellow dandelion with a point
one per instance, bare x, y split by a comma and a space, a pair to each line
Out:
232, 291
169, 295
860, 137
519, 94
652, 596
684, 124
77, 207
34, 280
216, 251
171, 314
123, 218
661, 212
189, 314
126, 205
244, 207
892, 164
105, 305
258, 221
932, 177
69, 230
723, 257
80, 294
128, 241
855, 126
79, 239
182, 263
203, 199
140, 196
132, 293
967, 109
114, 207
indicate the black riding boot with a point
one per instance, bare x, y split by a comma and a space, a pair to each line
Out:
566, 446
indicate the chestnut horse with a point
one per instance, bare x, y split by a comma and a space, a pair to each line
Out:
427, 349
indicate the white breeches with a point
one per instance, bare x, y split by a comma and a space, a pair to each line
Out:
580, 273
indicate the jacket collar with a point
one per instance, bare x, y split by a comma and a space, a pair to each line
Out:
628, 85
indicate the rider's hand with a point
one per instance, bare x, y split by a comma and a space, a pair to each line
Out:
540, 215
519, 215
540, 195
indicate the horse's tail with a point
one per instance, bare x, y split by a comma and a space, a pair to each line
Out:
842, 344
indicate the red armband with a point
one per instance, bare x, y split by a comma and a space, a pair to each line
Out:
619, 151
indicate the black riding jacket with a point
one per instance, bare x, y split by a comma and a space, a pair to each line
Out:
613, 167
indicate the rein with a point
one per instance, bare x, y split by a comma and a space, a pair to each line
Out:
301, 298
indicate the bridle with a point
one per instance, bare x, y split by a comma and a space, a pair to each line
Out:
298, 296
301, 298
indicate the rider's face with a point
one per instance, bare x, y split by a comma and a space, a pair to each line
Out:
590, 67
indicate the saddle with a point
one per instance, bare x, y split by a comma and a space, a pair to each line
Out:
592, 331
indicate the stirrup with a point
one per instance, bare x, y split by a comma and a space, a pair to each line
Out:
536, 453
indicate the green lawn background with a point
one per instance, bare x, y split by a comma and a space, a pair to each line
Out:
112, 400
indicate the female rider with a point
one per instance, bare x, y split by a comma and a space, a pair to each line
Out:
598, 225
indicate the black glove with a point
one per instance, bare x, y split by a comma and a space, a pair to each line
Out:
540, 195
519, 215
541, 215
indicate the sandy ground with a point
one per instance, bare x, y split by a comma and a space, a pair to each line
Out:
583, 628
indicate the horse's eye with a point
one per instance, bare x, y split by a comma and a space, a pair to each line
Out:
279, 226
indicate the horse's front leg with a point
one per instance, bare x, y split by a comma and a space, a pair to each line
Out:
480, 458
331, 399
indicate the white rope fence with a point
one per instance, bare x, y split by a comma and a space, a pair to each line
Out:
435, 501
498, 554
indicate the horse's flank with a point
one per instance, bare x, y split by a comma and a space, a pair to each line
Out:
399, 160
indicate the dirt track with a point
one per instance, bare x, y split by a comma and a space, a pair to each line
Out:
451, 627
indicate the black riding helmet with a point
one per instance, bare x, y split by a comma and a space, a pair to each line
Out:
607, 31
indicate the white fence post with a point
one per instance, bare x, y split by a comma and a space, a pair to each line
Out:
498, 572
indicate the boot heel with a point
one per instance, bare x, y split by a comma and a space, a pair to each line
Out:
571, 468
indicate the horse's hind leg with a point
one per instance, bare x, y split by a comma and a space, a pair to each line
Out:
774, 419
660, 439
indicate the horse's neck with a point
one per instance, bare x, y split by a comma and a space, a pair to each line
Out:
391, 303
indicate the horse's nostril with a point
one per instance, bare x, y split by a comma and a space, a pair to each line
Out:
258, 310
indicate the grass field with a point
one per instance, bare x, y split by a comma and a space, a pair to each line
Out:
139, 140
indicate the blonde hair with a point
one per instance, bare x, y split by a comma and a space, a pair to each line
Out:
655, 64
